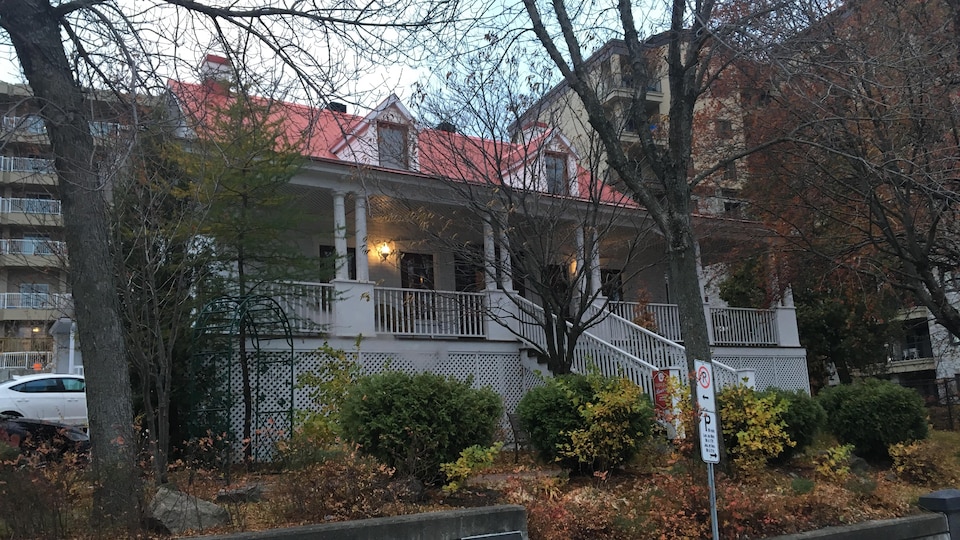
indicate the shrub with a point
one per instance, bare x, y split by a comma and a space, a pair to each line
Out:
804, 418
874, 415
753, 427
549, 413
472, 460
834, 463
326, 389
916, 462
591, 423
416, 422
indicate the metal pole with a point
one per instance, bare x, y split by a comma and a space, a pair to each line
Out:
713, 503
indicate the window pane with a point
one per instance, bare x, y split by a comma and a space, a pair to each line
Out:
73, 385
556, 170
392, 141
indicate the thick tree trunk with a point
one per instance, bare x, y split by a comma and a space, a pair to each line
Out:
34, 30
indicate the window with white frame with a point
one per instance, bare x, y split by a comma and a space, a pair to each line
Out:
392, 145
34, 295
555, 171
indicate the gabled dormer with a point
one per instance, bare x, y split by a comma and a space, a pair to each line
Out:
386, 137
547, 161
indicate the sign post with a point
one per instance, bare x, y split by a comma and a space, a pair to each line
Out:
667, 405
709, 429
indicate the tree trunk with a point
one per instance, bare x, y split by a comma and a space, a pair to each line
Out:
34, 30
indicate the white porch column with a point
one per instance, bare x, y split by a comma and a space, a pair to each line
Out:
489, 254
353, 312
581, 276
788, 335
363, 263
340, 235
595, 263
506, 267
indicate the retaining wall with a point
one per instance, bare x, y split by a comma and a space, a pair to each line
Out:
921, 527
451, 525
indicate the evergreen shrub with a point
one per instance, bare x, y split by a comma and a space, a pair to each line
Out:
804, 418
874, 415
587, 423
414, 423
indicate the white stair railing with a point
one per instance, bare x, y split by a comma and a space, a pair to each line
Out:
654, 348
637, 340
589, 350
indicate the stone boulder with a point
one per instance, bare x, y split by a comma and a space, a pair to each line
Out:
176, 512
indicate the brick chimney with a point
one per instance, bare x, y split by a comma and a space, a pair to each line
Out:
216, 73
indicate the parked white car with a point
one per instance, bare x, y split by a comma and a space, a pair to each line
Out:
48, 396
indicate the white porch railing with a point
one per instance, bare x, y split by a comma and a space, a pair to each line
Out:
589, 350
30, 206
26, 164
24, 360
731, 326
35, 301
420, 312
741, 326
308, 306
639, 341
32, 246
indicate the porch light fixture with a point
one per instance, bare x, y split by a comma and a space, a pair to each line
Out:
384, 251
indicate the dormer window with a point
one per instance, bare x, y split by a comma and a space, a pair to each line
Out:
392, 145
555, 170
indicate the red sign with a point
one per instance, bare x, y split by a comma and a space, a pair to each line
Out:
661, 396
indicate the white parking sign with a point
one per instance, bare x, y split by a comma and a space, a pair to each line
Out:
709, 421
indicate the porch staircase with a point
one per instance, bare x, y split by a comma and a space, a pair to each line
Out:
617, 347
590, 350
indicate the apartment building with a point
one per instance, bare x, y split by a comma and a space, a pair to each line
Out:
718, 130
35, 302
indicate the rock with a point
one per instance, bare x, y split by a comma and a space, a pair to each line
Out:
251, 493
177, 512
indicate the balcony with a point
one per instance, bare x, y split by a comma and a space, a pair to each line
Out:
34, 306
27, 170
39, 212
728, 327
30, 128
32, 252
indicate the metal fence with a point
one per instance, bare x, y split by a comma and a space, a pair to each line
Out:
942, 398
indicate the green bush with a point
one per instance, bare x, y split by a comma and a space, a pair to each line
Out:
753, 427
416, 422
549, 413
874, 415
804, 418
587, 423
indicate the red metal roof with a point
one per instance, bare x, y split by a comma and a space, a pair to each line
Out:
315, 132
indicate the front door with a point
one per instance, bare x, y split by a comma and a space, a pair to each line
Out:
416, 271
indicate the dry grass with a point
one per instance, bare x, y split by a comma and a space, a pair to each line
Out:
662, 496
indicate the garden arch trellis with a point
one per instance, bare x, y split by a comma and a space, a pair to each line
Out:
242, 395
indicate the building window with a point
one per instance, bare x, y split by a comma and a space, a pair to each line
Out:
328, 263
611, 284
416, 271
555, 168
724, 129
392, 146
34, 295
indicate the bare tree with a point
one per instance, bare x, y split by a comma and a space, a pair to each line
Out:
542, 201
869, 180
63, 47
702, 40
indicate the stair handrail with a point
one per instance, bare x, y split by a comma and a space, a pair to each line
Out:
639, 339
589, 349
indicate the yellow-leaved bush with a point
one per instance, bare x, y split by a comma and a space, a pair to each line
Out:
753, 427
615, 423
